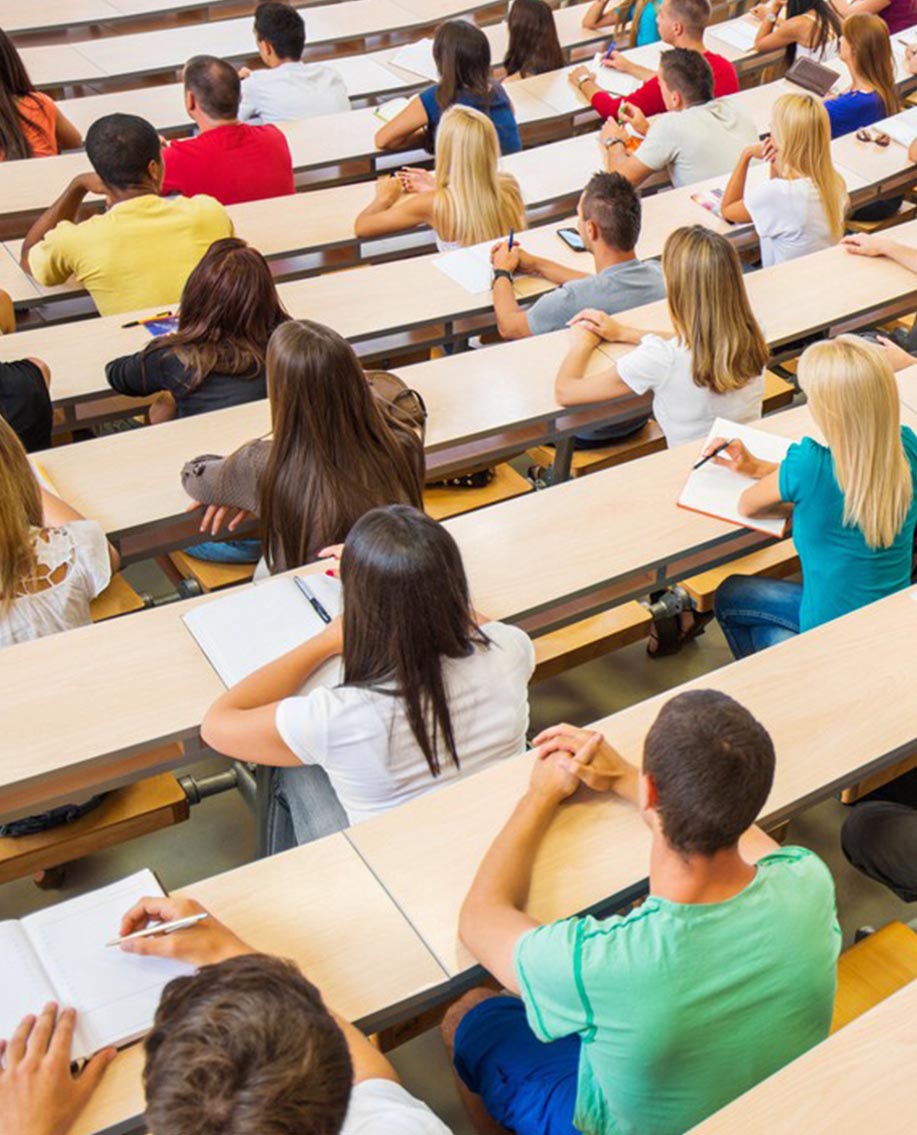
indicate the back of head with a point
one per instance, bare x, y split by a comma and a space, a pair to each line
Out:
871, 47
688, 73
462, 56
613, 206
693, 15
710, 309
854, 399
20, 510
121, 148
282, 27
802, 133
216, 86
827, 23
15, 85
245, 1047
533, 46
713, 767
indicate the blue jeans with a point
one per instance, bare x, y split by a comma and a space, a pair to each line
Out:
227, 551
302, 806
756, 613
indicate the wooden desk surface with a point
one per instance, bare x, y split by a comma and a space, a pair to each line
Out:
61, 15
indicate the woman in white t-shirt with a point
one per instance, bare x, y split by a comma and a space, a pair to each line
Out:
801, 208
711, 366
428, 691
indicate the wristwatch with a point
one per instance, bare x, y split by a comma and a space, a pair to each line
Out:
771, 17
608, 143
502, 274
583, 79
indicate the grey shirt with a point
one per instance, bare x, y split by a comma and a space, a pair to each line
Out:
620, 287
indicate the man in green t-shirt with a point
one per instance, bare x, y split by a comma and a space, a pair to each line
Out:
651, 1021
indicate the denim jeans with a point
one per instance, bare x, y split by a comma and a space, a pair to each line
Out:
301, 806
227, 551
756, 613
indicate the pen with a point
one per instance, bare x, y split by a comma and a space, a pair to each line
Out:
609, 49
149, 318
719, 449
316, 606
509, 244
161, 928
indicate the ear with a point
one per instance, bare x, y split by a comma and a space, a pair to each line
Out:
591, 231
190, 101
649, 795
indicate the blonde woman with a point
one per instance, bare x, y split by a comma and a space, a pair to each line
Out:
854, 501
801, 208
466, 200
866, 50
713, 364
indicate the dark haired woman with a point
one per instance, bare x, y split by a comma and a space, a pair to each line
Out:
31, 126
462, 56
533, 44
808, 29
428, 692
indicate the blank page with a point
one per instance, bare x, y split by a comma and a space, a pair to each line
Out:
615, 82
738, 33
901, 128
24, 985
470, 267
418, 58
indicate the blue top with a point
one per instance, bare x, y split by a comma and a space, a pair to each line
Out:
853, 110
500, 113
840, 572
647, 29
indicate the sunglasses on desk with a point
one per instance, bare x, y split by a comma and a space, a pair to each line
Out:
876, 137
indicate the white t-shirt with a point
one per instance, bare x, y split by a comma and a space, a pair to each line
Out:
382, 1107
362, 739
698, 143
789, 219
684, 410
292, 90
75, 559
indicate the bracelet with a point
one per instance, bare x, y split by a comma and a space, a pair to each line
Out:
771, 17
583, 79
502, 274
614, 142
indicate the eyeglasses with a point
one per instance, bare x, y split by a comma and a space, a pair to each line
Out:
878, 137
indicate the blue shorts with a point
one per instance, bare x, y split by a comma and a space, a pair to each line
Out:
527, 1086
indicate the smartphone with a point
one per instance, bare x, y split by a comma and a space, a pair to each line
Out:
572, 239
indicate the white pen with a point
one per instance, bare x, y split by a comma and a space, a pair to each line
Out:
161, 928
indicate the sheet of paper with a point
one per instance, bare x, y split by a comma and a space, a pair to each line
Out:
42, 477
615, 82
417, 58
388, 110
737, 33
24, 985
715, 490
470, 267
901, 128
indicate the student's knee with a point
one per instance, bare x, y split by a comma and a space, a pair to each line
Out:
43, 367
457, 1012
880, 839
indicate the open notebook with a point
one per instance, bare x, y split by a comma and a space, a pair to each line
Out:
418, 58
243, 632
59, 954
901, 128
737, 33
715, 490
386, 111
469, 267
613, 81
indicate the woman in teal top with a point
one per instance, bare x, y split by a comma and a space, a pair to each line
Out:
642, 15
854, 501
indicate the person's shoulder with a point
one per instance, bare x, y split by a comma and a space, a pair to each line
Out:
797, 867
204, 208
909, 441
384, 1107
513, 641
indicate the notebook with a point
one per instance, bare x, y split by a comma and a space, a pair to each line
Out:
241, 633
469, 267
166, 325
42, 477
737, 33
715, 490
615, 82
712, 201
901, 128
388, 110
417, 58
59, 954
812, 76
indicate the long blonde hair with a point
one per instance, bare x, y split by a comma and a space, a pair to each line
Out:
871, 46
20, 511
472, 200
854, 400
802, 131
710, 309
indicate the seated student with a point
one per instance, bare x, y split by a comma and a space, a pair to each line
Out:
898, 15
879, 836
809, 29
245, 1045
866, 50
429, 689
650, 1021
229, 310
699, 138
25, 401
461, 52
287, 88
533, 46
336, 452
681, 24
901, 348
466, 199
31, 126
854, 501
801, 207
642, 15
140, 252
227, 159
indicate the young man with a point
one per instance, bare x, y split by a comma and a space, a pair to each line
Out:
228, 159
288, 88
140, 252
651, 1021
245, 1046
700, 137
681, 24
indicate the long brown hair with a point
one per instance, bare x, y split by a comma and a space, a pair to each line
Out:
229, 310
334, 456
15, 84
407, 609
871, 47
461, 53
20, 511
533, 46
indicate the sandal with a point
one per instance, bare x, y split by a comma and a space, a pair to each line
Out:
668, 635
479, 480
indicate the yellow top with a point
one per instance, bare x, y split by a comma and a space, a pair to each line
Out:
136, 255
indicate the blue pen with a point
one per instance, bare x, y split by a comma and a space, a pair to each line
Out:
509, 243
610, 48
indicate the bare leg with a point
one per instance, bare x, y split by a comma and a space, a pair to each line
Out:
474, 1105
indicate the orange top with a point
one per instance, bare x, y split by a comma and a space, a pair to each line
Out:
38, 115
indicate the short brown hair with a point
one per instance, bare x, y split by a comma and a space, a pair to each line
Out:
245, 1047
689, 73
694, 14
215, 84
713, 766
613, 206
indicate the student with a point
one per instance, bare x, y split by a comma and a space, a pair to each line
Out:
801, 207
465, 200
140, 252
642, 15
25, 401
713, 364
681, 24
879, 836
701, 137
533, 46
810, 29
287, 88
652, 1020
898, 15
31, 126
854, 501
246, 1037
229, 160
461, 52
866, 50
429, 690
229, 310
336, 452
900, 350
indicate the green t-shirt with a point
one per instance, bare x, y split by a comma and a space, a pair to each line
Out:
682, 1007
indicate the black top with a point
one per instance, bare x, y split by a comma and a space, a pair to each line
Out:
140, 375
26, 403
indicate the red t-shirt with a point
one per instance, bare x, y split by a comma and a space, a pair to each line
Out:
232, 163
648, 98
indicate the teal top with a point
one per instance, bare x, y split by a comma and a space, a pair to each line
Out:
840, 573
647, 29
682, 1007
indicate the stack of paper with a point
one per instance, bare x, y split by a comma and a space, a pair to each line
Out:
470, 267
901, 128
418, 58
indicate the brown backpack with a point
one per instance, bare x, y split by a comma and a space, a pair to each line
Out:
398, 401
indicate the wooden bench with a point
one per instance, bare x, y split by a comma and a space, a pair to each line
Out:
209, 576
872, 970
776, 561
906, 212
442, 503
119, 598
590, 638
